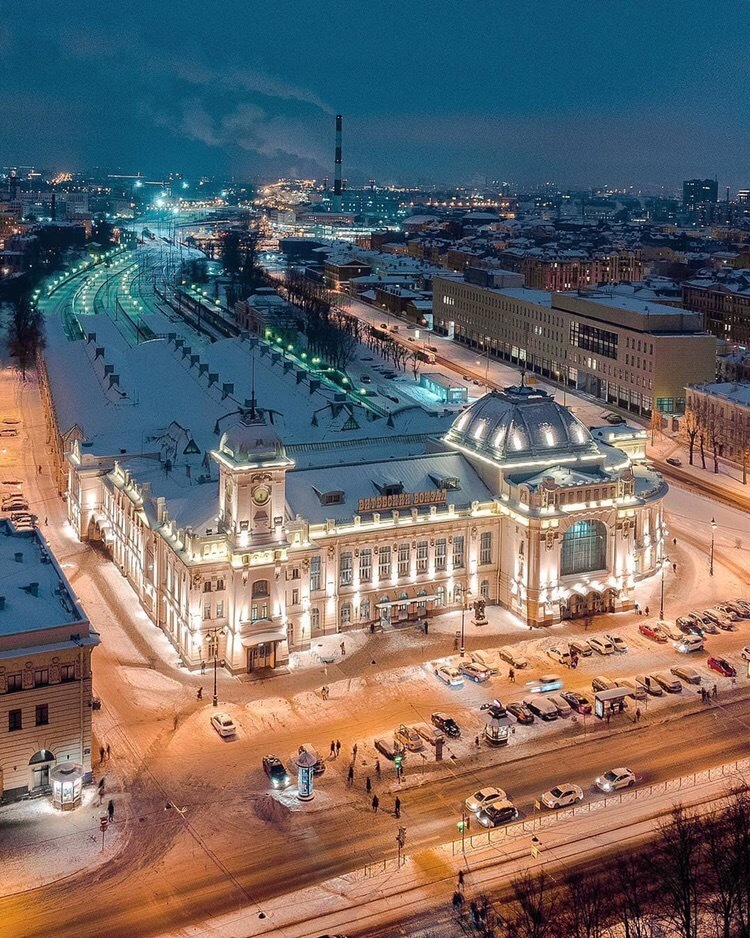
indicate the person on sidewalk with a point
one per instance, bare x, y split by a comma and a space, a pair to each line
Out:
343, 648
350, 776
377, 767
338, 747
199, 695
368, 785
511, 676
109, 752
375, 803
101, 755
715, 692
333, 749
397, 807
354, 751
111, 810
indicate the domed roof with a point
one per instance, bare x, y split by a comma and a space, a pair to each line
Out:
519, 424
251, 439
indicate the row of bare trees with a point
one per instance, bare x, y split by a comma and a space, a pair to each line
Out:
691, 881
710, 430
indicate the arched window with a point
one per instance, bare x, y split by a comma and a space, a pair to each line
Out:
364, 610
260, 588
584, 548
484, 589
346, 613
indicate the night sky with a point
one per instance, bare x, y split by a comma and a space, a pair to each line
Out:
572, 91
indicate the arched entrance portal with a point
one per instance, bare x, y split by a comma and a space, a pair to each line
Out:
41, 762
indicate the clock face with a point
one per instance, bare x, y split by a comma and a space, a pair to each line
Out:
261, 494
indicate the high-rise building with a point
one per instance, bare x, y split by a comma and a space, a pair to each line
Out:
697, 192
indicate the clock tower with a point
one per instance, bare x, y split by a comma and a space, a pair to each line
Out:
252, 472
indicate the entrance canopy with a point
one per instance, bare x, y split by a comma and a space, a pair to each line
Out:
263, 638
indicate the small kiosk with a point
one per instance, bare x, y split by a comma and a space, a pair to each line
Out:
497, 730
66, 780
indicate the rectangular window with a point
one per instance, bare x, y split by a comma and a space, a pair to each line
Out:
315, 619
207, 586
384, 562
365, 565
403, 559
592, 339
345, 570
14, 721
15, 682
422, 547
206, 610
458, 552
485, 548
314, 573
220, 609
295, 573
295, 597
440, 554
219, 585
42, 715
41, 677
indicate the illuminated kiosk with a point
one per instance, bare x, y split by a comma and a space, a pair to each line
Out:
67, 781
497, 730
305, 763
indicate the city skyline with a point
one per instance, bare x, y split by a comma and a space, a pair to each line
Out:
425, 100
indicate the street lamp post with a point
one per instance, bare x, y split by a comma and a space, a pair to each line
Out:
213, 636
713, 539
465, 591
664, 560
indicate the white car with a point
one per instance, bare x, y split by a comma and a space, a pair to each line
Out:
619, 644
482, 797
409, 738
475, 672
560, 654
223, 724
449, 675
562, 795
602, 645
616, 778
746, 652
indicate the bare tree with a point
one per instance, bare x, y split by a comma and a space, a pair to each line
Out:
692, 424
25, 332
584, 905
633, 900
533, 911
677, 869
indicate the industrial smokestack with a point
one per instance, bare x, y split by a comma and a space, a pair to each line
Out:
337, 161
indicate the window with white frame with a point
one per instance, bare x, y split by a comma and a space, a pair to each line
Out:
315, 620
458, 551
365, 565
315, 573
403, 559
345, 569
220, 609
440, 554
346, 613
422, 553
485, 548
384, 562
364, 610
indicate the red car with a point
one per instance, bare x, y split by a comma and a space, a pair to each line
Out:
722, 666
653, 632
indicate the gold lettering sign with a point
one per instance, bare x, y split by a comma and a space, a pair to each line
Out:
404, 500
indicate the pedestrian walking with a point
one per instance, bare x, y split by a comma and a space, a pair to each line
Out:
350, 776
512, 676
377, 767
372, 628
368, 785
458, 900
338, 747
621, 706
455, 643
324, 692
674, 568
101, 790
354, 751
703, 694
397, 807
646, 610
460, 879
109, 752
375, 803
199, 695
476, 741
715, 690
45, 521
674, 541
637, 714
609, 717
343, 648
333, 749
203, 667
39, 470
426, 626
111, 810
101, 755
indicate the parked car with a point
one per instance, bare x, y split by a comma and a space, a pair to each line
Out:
614, 419
497, 813
602, 645
388, 748
742, 609
704, 622
652, 631
616, 778
719, 619
430, 734
560, 654
577, 701
475, 672
650, 685
722, 666
673, 461
671, 631
449, 675
409, 738
728, 611
562, 795
320, 765
637, 691
514, 658
223, 724
489, 659
563, 707
521, 713
746, 653
580, 647
689, 643
685, 673
689, 626
482, 797
445, 723
667, 681
274, 769
602, 683
545, 684
619, 644
541, 707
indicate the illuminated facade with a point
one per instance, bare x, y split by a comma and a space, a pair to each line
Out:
517, 504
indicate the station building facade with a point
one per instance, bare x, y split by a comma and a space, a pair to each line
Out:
517, 504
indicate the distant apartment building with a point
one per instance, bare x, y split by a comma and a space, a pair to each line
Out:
633, 354
339, 273
45, 668
696, 192
723, 301
573, 270
722, 413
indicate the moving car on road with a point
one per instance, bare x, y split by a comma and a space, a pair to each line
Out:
614, 779
223, 724
475, 672
449, 675
521, 713
562, 795
722, 666
653, 631
577, 701
497, 813
445, 723
545, 684
274, 769
482, 797
673, 461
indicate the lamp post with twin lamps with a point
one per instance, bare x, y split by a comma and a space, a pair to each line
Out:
465, 592
713, 539
213, 638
